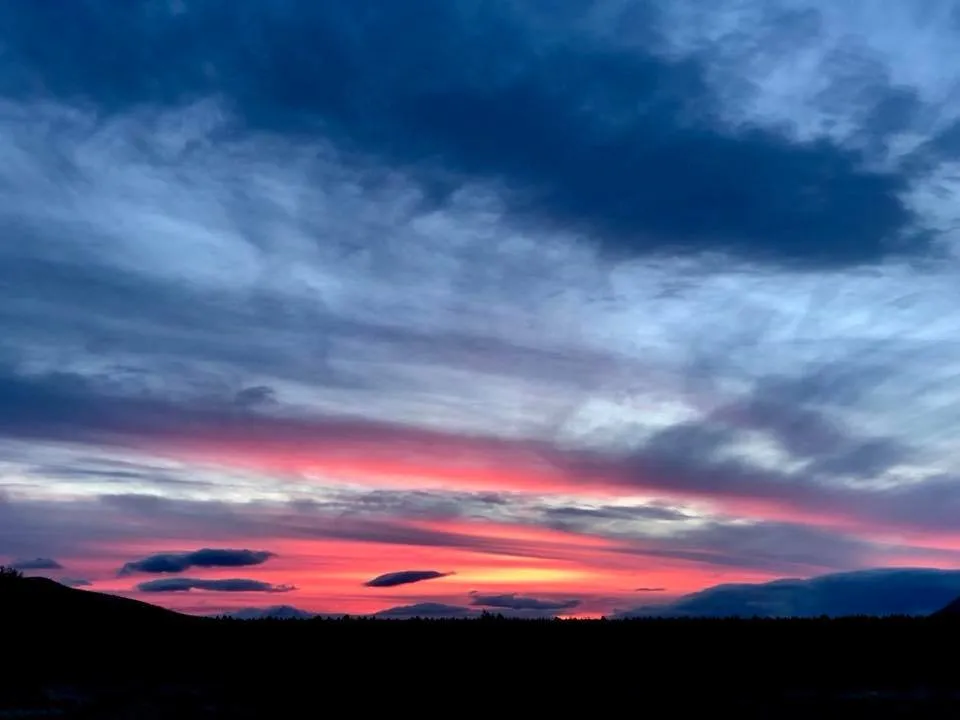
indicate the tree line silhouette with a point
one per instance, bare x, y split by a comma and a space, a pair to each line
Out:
58, 635
9, 574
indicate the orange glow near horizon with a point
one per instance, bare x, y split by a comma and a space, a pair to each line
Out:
329, 569
329, 574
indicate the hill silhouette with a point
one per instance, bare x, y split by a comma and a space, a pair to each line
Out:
43, 603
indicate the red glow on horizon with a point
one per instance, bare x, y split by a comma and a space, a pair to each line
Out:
495, 558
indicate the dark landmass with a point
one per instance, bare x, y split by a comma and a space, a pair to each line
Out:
79, 654
952, 610
39, 601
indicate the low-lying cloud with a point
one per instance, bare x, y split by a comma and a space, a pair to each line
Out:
203, 558
75, 582
36, 564
512, 601
906, 591
404, 577
273, 612
231, 585
426, 610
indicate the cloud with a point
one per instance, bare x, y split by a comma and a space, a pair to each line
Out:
255, 396
696, 458
513, 601
572, 516
702, 457
205, 558
106, 520
274, 612
579, 133
907, 591
404, 577
426, 610
532, 609
649, 589
400, 519
172, 585
765, 545
75, 582
37, 564
73, 407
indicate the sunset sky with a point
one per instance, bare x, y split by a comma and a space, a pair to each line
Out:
550, 308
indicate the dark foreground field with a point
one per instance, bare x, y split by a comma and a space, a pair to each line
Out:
73, 654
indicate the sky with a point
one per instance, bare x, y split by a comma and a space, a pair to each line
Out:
567, 308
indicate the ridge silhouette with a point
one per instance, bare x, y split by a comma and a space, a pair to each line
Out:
47, 603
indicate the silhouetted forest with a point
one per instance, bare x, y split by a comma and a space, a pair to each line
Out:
91, 655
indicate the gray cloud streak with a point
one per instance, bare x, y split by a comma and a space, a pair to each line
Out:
229, 585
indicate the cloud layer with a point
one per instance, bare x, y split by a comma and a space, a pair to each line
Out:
907, 591
574, 300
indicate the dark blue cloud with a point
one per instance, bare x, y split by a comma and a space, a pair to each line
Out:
75, 582
404, 577
205, 557
426, 610
908, 591
623, 145
512, 601
36, 564
255, 396
172, 585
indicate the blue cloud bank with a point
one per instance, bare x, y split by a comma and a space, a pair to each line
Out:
907, 591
